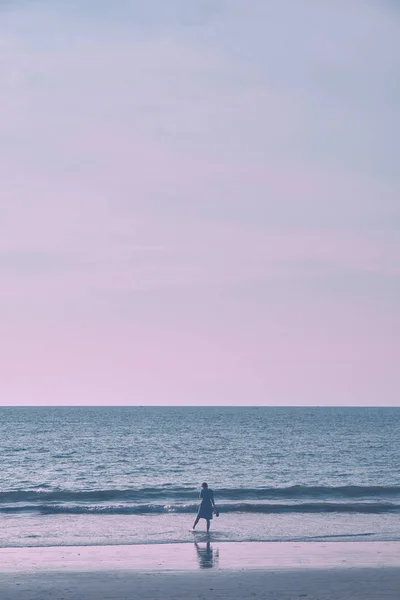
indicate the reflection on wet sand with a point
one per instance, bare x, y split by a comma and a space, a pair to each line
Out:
208, 557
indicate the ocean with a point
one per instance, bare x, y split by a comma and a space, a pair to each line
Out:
130, 475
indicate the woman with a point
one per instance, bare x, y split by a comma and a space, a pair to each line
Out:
207, 506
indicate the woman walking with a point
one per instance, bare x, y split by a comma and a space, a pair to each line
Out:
207, 506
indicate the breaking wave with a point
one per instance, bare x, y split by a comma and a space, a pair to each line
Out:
296, 492
166, 499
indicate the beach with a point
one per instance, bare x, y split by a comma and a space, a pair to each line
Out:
98, 504
280, 571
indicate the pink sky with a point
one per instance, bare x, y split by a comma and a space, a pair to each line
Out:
199, 203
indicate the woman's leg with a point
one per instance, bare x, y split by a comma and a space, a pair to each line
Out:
208, 525
196, 521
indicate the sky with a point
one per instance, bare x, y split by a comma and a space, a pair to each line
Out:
199, 202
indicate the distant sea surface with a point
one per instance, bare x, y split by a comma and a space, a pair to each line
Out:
124, 475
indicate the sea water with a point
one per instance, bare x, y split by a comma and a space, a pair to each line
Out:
125, 475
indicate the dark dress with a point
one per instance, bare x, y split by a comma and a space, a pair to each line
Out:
206, 506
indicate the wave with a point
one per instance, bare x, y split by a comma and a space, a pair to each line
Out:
163, 494
239, 507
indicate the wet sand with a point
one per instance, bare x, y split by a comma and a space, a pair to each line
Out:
277, 571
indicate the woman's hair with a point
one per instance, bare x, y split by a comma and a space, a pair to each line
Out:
204, 485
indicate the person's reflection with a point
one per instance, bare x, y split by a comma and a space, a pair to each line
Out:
208, 558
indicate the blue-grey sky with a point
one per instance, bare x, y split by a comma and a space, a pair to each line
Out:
199, 202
